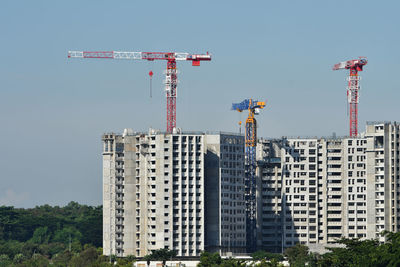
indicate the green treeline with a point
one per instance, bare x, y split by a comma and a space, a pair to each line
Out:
62, 236
351, 253
72, 236
46, 224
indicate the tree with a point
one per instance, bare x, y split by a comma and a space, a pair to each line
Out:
67, 234
86, 258
28, 249
62, 259
148, 259
356, 253
297, 255
264, 255
37, 260
272, 263
132, 258
41, 235
126, 262
162, 254
19, 258
209, 259
51, 249
11, 248
230, 262
4, 260
259, 255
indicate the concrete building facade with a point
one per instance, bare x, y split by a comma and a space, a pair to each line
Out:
185, 191
316, 190
155, 193
225, 204
383, 178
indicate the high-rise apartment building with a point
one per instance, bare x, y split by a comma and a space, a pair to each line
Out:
185, 191
224, 187
181, 191
317, 190
383, 178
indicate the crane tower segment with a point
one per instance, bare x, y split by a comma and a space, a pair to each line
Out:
353, 89
250, 162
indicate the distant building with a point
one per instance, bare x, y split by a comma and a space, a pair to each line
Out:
181, 191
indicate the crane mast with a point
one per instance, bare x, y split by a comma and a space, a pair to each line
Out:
171, 79
353, 89
253, 108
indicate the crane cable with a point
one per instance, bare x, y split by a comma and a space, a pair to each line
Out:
151, 78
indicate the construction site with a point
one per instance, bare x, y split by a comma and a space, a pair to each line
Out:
236, 193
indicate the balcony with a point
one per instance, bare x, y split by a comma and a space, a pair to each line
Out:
335, 215
334, 224
334, 200
119, 190
335, 208
335, 231
334, 154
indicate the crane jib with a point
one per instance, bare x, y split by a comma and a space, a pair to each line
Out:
98, 54
171, 73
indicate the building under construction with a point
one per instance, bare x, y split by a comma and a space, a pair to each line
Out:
182, 191
314, 191
231, 193
185, 191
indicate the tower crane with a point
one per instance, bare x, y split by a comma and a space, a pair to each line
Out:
253, 106
353, 89
171, 79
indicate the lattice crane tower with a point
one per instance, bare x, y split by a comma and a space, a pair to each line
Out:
353, 89
250, 166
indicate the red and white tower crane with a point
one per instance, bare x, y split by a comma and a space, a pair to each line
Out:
171, 79
353, 89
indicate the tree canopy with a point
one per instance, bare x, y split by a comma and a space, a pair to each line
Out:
30, 237
72, 236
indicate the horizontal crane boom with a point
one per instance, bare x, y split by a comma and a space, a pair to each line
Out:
248, 104
196, 58
351, 64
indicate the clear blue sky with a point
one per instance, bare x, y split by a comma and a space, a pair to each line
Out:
53, 111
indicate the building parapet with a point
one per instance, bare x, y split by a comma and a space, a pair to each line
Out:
154, 132
379, 122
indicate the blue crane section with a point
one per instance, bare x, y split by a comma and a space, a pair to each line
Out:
250, 167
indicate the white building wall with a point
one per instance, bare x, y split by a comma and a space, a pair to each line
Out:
382, 178
154, 192
330, 188
226, 225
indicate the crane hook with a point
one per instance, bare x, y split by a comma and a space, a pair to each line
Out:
151, 77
